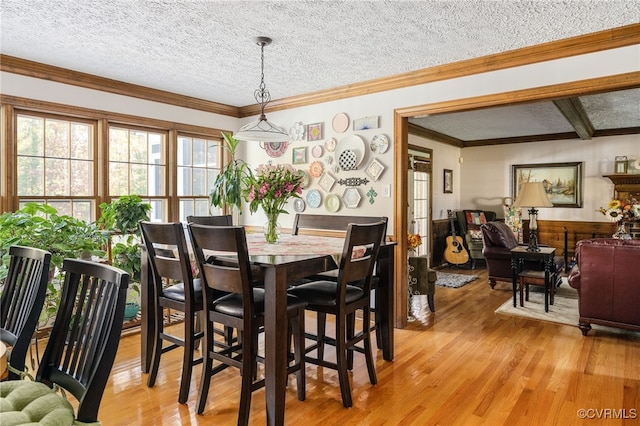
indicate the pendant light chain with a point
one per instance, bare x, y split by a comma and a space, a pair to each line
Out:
262, 95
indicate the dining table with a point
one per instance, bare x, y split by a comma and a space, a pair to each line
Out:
294, 257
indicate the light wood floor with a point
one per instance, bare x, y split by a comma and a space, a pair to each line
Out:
463, 365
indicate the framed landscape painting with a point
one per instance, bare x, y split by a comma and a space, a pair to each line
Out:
562, 181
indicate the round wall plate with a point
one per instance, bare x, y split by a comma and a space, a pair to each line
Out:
314, 199
332, 203
299, 205
379, 144
340, 122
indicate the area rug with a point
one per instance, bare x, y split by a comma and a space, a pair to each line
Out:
563, 311
446, 279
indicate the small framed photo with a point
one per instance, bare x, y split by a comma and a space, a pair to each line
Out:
314, 132
448, 181
299, 155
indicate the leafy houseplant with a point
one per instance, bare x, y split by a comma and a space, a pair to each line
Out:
228, 185
121, 217
40, 226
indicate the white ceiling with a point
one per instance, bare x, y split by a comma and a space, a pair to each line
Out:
205, 49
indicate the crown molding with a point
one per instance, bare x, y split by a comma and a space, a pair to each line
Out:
579, 45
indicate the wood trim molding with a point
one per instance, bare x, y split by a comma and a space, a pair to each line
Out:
61, 75
579, 45
112, 117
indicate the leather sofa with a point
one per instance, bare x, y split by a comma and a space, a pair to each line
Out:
607, 277
498, 240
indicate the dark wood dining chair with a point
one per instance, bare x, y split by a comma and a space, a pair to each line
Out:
220, 220
80, 352
173, 287
337, 225
343, 299
242, 309
21, 302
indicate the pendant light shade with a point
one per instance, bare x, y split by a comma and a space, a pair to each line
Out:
262, 130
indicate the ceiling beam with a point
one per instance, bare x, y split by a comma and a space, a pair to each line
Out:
574, 112
423, 132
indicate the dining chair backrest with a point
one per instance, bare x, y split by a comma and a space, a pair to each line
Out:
229, 269
85, 335
21, 302
168, 255
355, 265
221, 220
332, 222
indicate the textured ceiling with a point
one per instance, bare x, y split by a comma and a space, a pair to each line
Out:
205, 49
606, 113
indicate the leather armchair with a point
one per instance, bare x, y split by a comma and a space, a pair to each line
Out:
607, 278
498, 240
469, 222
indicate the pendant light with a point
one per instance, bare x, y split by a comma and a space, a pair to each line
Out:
262, 130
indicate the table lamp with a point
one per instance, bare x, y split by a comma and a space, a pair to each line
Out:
533, 194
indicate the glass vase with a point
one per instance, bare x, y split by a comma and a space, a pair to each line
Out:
621, 233
272, 229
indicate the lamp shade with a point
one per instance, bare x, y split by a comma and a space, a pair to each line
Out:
261, 131
532, 194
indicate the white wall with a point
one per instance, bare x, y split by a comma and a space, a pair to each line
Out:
482, 180
486, 172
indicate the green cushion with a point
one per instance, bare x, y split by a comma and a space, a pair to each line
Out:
24, 402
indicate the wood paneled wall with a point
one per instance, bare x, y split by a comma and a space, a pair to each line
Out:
550, 232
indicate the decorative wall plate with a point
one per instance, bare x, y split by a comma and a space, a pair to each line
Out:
332, 203
379, 144
374, 169
330, 144
274, 149
326, 181
299, 205
296, 132
365, 123
351, 198
317, 151
314, 199
353, 143
315, 169
348, 160
353, 181
340, 122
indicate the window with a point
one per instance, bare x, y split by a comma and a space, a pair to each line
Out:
55, 163
420, 196
138, 165
198, 164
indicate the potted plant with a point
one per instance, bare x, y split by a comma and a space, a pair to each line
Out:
228, 185
40, 226
121, 218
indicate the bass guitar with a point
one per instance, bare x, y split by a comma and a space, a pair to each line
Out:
455, 253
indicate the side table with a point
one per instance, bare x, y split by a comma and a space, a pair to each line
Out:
519, 255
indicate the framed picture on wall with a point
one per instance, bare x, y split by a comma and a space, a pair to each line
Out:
562, 181
299, 155
448, 181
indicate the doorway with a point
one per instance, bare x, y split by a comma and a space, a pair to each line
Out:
419, 182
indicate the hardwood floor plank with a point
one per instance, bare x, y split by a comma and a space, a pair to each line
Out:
462, 365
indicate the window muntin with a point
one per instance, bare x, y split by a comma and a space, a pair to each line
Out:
55, 163
198, 163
